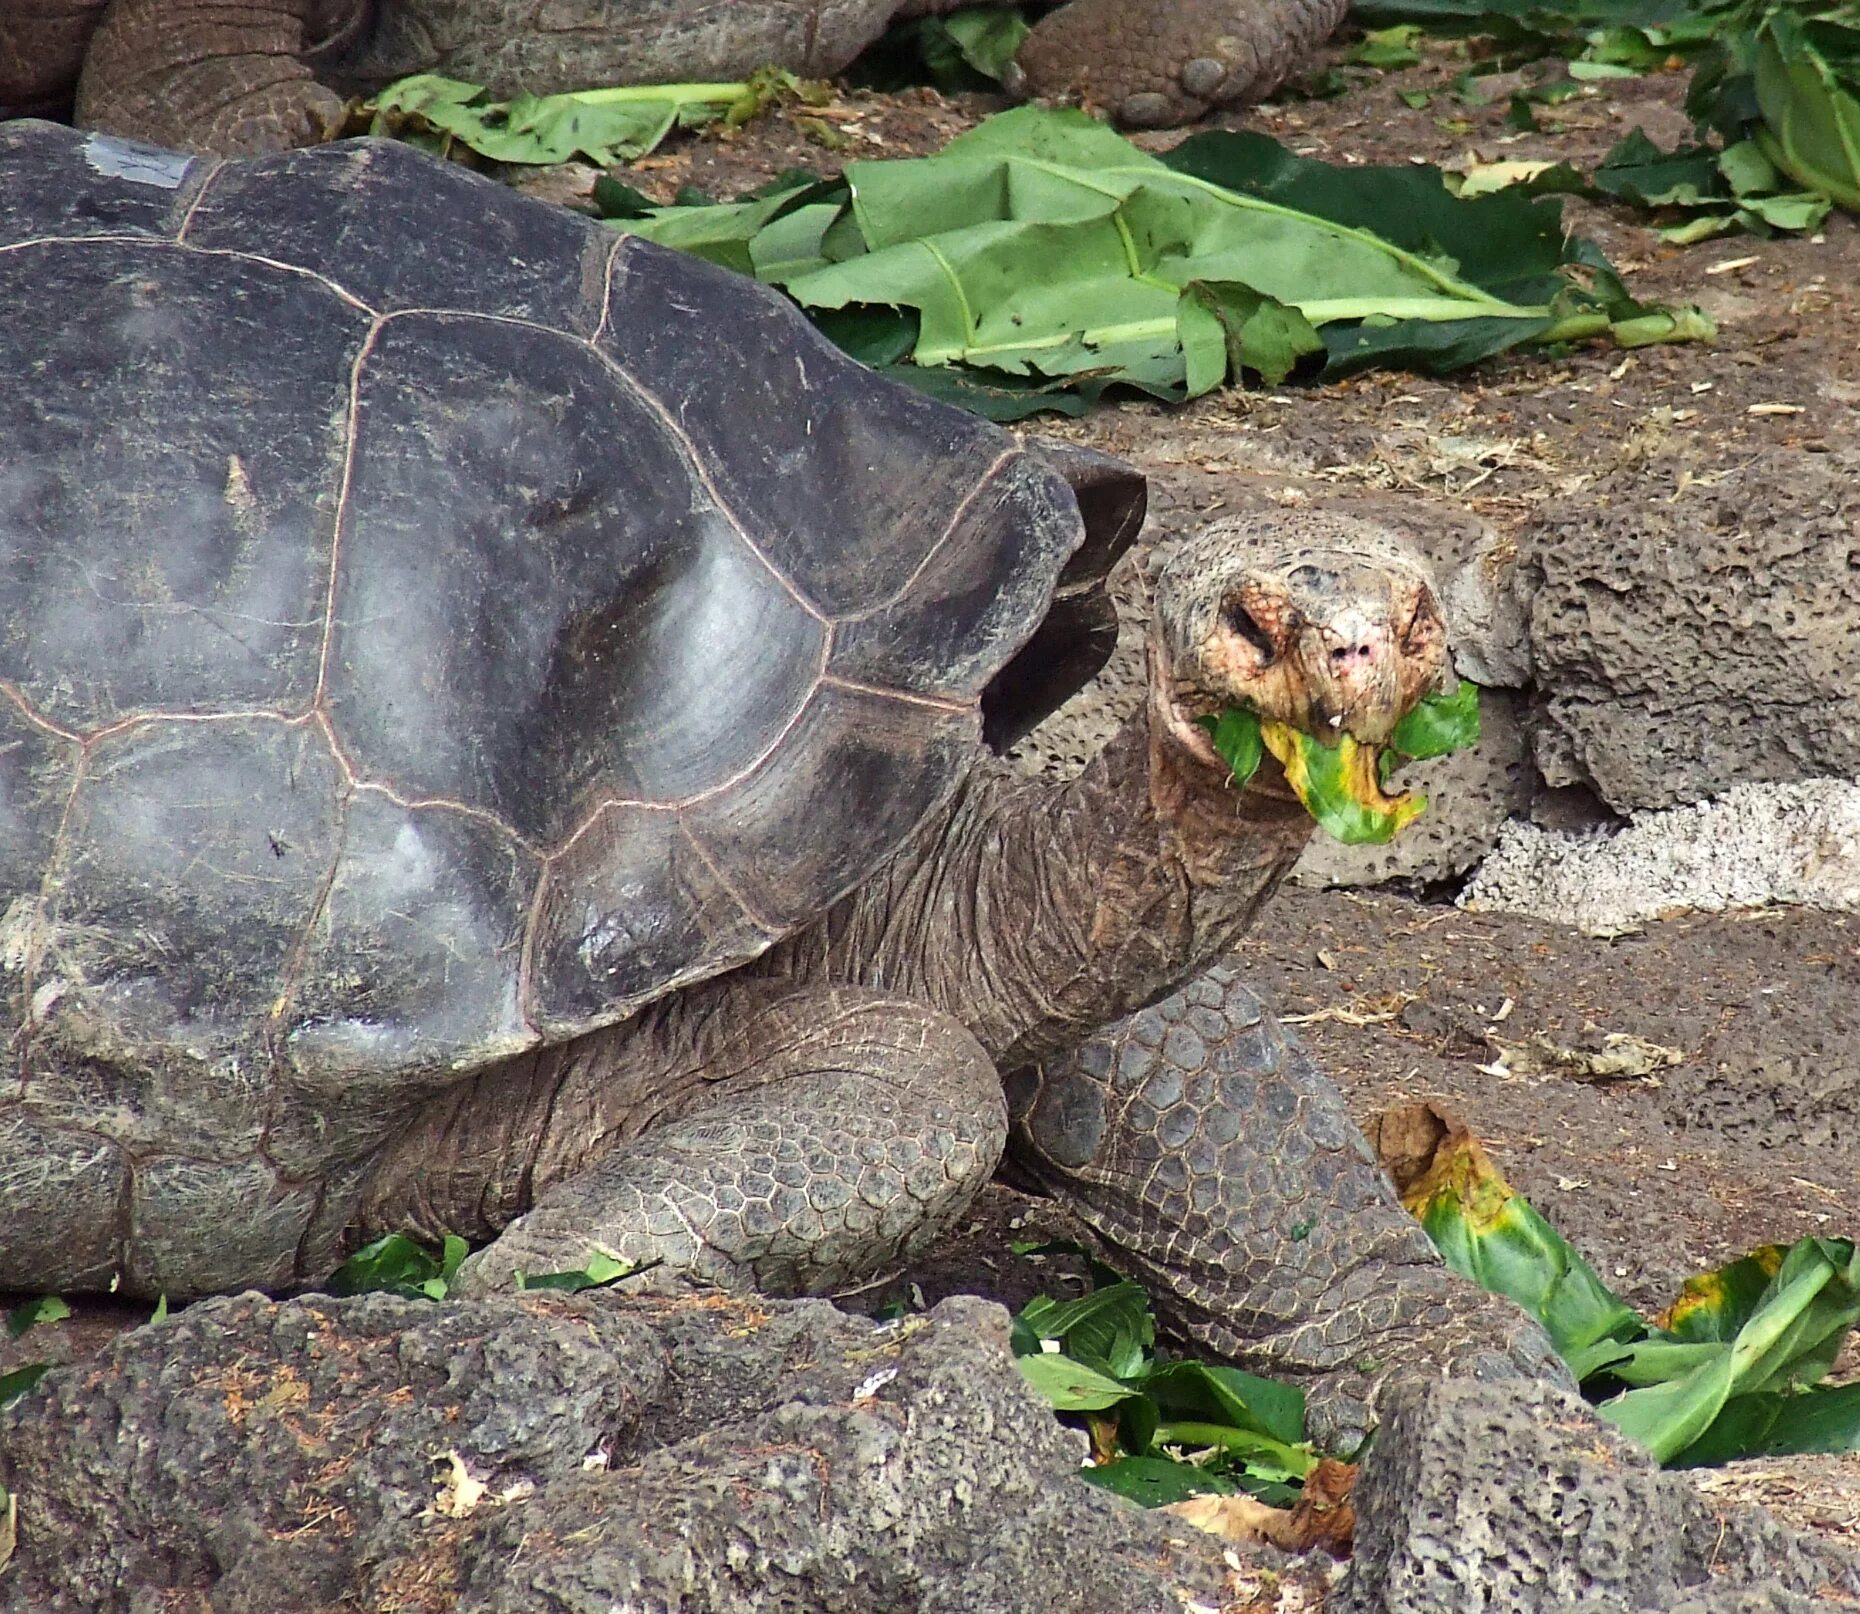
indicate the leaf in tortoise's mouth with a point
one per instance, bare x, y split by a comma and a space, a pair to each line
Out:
1342, 784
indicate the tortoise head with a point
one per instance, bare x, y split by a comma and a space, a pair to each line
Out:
1326, 622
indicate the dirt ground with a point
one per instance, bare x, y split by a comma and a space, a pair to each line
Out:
1754, 1134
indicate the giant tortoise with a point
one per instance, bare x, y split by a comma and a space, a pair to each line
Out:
267, 74
499, 731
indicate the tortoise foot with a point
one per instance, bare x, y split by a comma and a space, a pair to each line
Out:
1156, 64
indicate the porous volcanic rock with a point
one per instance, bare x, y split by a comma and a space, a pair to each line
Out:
1691, 632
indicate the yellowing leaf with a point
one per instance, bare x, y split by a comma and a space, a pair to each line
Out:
1340, 785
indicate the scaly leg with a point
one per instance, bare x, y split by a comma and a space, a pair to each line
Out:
840, 1132
1199, 1141
209, 75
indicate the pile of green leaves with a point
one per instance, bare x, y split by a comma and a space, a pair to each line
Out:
1042, 257
1733, 1369
1340, 784
1709, 191
599, 126
1160, 1430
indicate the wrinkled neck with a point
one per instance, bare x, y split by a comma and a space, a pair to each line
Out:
1036, 912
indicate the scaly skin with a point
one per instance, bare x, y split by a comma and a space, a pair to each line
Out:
236, 76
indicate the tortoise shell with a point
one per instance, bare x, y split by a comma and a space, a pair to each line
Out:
436, 625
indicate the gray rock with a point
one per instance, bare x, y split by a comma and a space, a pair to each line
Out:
698, 1454
1480, 1498
1688, 634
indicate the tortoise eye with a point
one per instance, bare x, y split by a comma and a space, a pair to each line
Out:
1423, 622
1238, 619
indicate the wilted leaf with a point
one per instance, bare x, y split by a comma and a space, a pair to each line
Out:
1622, 1057
1323, 1517
459, 1492
1490, 1234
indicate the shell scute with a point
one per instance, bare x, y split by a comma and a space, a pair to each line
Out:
158, 553
843, 482
395, 230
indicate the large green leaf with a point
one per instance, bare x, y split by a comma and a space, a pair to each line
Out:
1789, 1341
1812, 117
1153, 1482
1043, 246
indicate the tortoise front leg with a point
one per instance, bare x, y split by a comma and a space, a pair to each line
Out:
838, 1133
1198, 1140
205, 75
1159, 62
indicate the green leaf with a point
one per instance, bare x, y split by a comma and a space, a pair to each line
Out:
1812, 119
1110, 1328
1071, 1386
1210, 1393
1713, 1306
992, 394
988, 37
1826, 1419
600, 1271
1489, 1233
1439, 724
395, 1264
15, 1384
1153, 1482
1386, 47
1237, 741
1790, 1340
30, 1313
1256, 332
1340, 785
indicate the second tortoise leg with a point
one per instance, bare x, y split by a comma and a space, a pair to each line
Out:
202, 75
1157, 62
841, 1133
1222, 1170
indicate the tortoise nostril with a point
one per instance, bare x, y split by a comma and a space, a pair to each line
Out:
1242, 621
